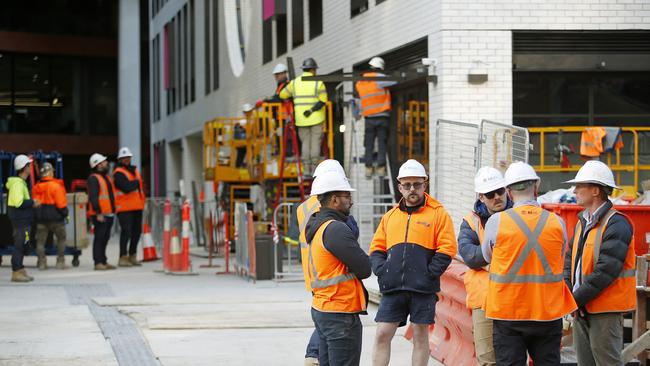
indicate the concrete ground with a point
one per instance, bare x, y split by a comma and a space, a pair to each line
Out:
138, 316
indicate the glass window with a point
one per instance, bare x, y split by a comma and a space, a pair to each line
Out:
281, 34
298, 23
215, 45
31, 93
315, 18
102, 84
66, 96
206, 20
5, 93
267, 40
547, 93
357, 7
622, 94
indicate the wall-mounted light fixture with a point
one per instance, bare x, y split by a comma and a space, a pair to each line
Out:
478, 73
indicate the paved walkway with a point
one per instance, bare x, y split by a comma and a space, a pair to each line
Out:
137, 316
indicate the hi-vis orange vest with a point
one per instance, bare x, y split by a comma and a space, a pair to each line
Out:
303, 213
526, 273
591, 141
132, 201
374, 99
104, 197
335, 290
620, 295
476, 280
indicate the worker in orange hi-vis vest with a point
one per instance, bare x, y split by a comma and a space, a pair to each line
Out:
600, 269
492, 198
527, 296
101, 208
375, 108
129, 203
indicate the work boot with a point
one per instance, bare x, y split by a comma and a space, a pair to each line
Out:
60, 262
133, 258
369, 172
125, 261
381, 171
42, 263
109, 266
21, 276
311, 361
100, 267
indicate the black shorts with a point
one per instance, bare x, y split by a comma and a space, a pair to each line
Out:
395, 307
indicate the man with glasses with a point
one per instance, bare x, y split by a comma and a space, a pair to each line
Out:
527, 296
492, 198
412, 247
337, 264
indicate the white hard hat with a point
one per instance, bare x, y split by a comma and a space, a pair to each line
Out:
330, 182
247, 107
280, 68
488, 179
329, 165
95, 159
519, 172
21, 161
412, 168
124, 153
377, 63
595, 171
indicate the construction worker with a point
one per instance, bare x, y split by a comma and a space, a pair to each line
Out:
412, 247
129, 204
51, 216
309, 100
527, 297
19, 210
600, 269
281, 76
101, 208
375, 108
305, 211
337, 265
492, 198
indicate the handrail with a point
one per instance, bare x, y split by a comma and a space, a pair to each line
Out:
617, 167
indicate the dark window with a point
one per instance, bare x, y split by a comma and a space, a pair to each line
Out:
539, 93
281, 34
167, 54
357, 7
179, 58
66, 98
6, 92
31, 93
186, 57
155, 78
102, 88
377, 2
315, 18
206, 19
215, 44
298, 23
267, 40
192, 52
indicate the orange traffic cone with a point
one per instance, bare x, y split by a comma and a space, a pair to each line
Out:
148, 248
175, 252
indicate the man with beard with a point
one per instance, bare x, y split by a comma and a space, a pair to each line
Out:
337, 264
492, 198
412, 247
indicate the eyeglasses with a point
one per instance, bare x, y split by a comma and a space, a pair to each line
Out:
408, 186
490, 195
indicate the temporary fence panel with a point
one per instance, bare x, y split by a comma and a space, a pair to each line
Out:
244, 242
368, 216
501, 144
456, 162
292, 271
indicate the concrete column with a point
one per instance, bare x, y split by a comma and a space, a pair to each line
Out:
129, 77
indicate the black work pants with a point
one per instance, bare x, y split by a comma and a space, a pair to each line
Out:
102, 234
131, 229
513, 340
21, 237
375, 127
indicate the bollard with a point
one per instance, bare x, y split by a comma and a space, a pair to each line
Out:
166, 234
185, 255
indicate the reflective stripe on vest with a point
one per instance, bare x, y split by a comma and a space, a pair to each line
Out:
103, 198
317, 283
307, 212
532, 244
131, 201
625, 273
305, 95
374, 99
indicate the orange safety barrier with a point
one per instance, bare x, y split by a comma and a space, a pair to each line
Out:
638, 214
167, 212
180, 250
451, 338
175, 252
